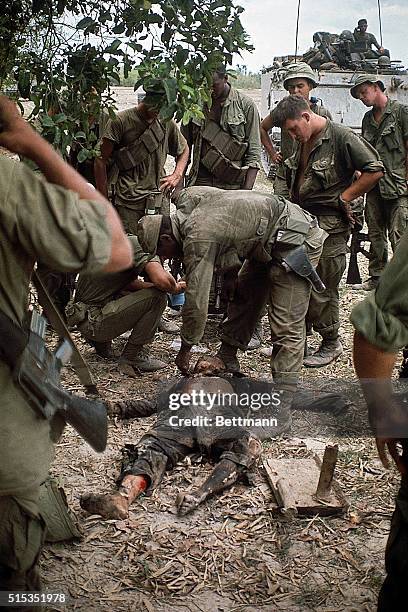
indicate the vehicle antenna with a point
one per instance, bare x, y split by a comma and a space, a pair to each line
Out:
297, 29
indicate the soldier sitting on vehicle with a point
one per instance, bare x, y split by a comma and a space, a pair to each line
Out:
363, 42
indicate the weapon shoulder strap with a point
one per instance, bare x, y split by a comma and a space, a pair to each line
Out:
80, 366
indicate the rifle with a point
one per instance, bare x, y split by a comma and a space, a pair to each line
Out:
357, 239
37, 372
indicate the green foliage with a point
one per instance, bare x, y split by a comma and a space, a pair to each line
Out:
64, 54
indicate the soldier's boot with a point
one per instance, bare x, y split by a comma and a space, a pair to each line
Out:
369, 285
103, 349
403, 372
169, 327
228, 355
136, 358
257, 337
330, 350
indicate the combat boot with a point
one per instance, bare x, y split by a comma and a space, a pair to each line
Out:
103, 349
138, 359
369, 285
329, 351
257, 337
228, 355
169, 327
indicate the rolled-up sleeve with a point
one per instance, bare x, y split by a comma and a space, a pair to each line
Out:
70, 234
360, 155
382, 318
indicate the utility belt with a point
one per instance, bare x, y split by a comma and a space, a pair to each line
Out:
142, 146
321, 210
221, 154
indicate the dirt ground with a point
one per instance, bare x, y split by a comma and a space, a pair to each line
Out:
232, 553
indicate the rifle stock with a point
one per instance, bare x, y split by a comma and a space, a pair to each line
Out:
353, 272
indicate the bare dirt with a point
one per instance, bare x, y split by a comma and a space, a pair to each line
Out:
232, 553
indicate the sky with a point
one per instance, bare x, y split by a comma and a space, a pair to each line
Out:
271, 25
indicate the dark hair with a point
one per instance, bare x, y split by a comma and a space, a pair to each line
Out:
165, 227
290, 107
362, 21
221, 71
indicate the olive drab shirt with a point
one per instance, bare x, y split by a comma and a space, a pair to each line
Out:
239, 119
287, 143
213, 224
133, 185
337, 153
389, 138
47, 223
382, 317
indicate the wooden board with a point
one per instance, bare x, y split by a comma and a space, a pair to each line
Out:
299, 478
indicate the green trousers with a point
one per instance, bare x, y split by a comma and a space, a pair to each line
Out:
386, 219
130, 217
139, 311
287, 296
323, 313
280, 187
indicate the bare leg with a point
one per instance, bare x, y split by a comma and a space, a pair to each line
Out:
115, 505
224, 474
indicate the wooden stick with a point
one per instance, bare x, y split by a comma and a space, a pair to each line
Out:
327, 472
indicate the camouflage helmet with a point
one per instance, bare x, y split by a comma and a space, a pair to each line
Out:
299, 70
347, 35
365, 78
384, 61
148, 232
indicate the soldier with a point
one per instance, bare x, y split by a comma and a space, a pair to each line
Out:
320, 174
62, 222
385, 127
215, 226
135, 144
226, 145
107, 306
381, 328
299, 80
363, 41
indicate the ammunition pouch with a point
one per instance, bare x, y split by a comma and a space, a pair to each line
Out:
297, 261
59, 520
222, 154
295, 229
142, 147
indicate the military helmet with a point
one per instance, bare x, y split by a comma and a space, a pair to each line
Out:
384, 61
299, 70
347, 35
148, 232
365, 78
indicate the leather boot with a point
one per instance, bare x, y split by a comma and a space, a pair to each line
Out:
257, 337
103, 349
138, 358
329, 351
228, 355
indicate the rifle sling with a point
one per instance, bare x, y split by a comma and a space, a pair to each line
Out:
80, 366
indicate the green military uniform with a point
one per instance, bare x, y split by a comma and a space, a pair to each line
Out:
382, 318
40, 222
215, 226
363, 41
101, 313
337, 153
139, 166
387, 203
280, 186
235, 139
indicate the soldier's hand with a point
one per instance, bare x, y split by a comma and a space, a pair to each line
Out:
183, 359
390, 444
347, 212
276, 158
15, 132
170, 182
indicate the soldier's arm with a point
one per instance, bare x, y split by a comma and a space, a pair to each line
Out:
252, 157
100, 164
18, 136
160, 278
266, 125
